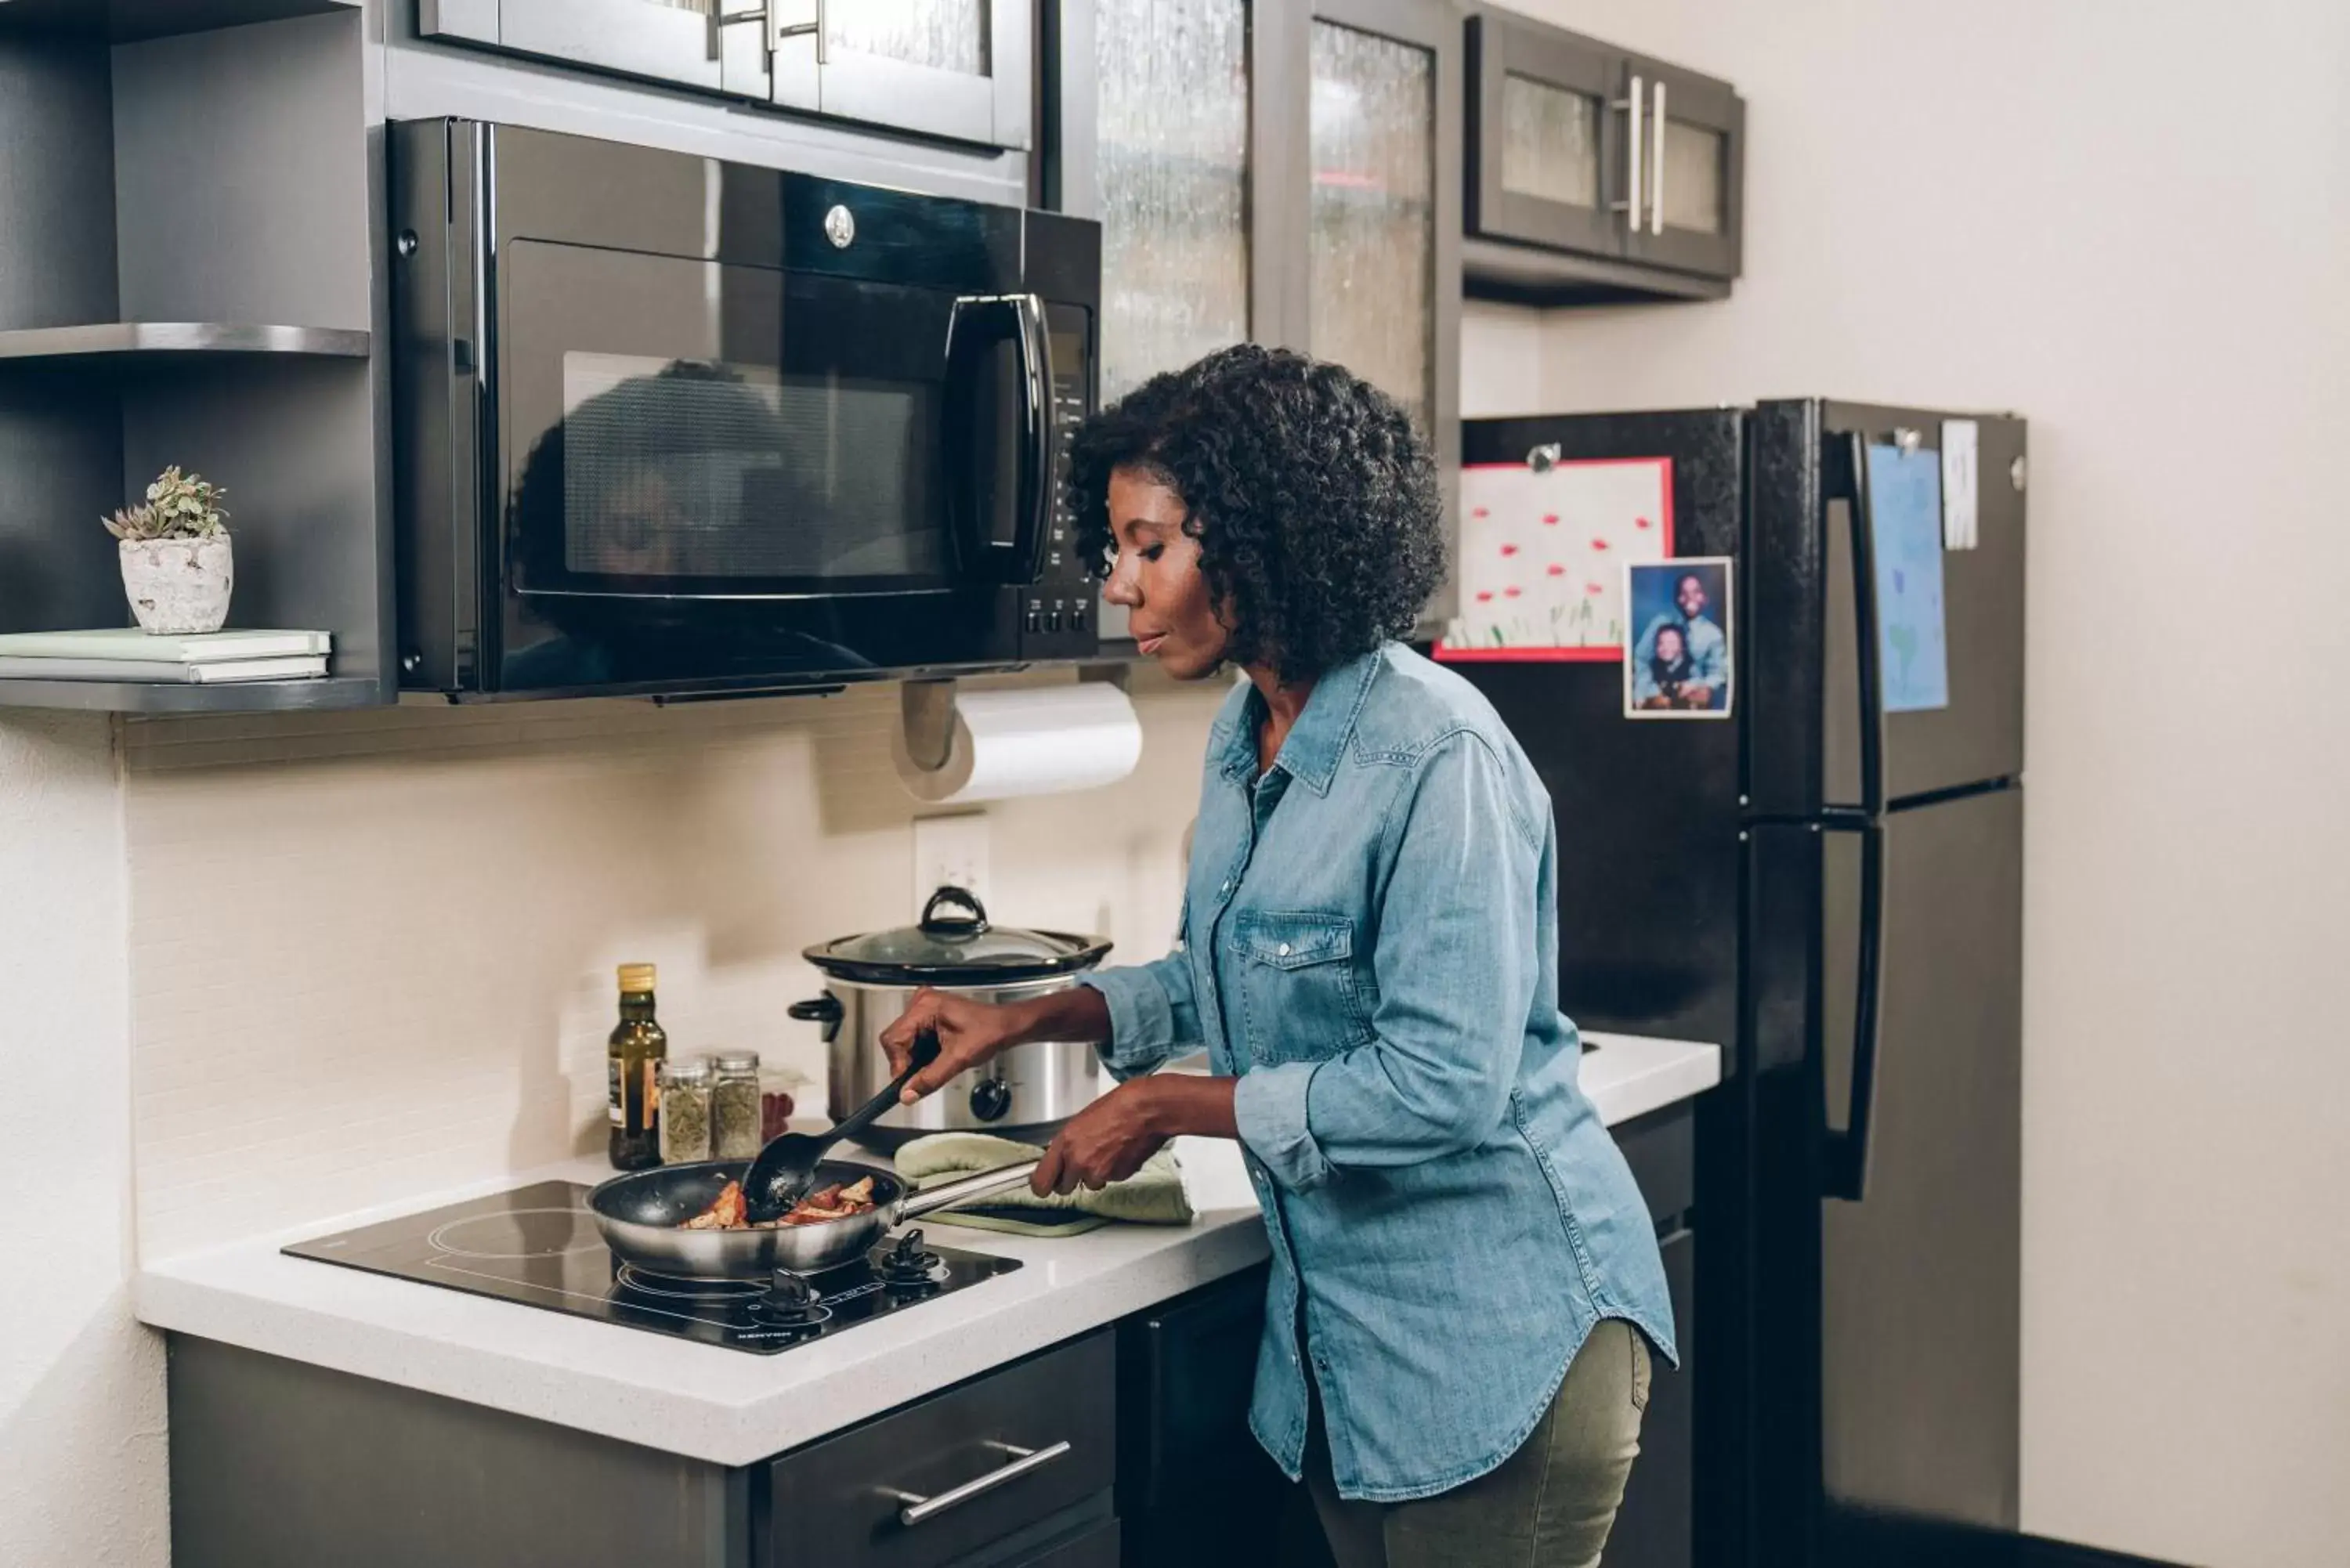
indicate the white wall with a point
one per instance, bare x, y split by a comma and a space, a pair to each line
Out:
372, 953
2132, 224
82, 1386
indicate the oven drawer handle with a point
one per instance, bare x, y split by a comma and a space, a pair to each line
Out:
1024, 1460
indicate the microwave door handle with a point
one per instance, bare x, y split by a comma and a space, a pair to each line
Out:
1038, 501
980, 322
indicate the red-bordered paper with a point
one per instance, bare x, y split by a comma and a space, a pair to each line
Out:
1542, 556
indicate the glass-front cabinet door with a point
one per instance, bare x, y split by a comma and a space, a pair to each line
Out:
1162, 141
954, 69
1170, 88
1382, 208
1581, 148
1688, 216
1372, 210
662, 40
1546, 125
959, 69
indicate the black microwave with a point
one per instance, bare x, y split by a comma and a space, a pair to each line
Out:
667, 425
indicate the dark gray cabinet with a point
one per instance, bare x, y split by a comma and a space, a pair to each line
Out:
1653, 1527
1193, 1487
1594, 173
1280, 171
1023, 1457
277, 1463
960, 69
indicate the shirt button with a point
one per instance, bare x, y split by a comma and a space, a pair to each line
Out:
1284, 950
1225, 889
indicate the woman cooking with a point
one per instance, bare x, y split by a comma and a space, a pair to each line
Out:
1465, 1284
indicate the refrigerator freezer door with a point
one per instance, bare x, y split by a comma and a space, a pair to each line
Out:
1807, 723
1648, 812
1919, 1326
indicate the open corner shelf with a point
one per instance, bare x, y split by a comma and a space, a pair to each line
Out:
229, 697
129, 21
122, 341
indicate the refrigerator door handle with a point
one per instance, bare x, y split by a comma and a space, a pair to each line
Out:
1868, 652
1847, 1172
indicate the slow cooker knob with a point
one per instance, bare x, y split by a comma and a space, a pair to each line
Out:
989, 1098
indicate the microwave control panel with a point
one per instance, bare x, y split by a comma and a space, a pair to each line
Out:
1059, 612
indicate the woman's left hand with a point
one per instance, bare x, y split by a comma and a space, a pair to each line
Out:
1105, 1142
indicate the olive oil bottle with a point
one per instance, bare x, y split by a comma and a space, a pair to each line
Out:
633, 1061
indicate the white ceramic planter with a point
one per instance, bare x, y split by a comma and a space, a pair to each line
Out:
179, 586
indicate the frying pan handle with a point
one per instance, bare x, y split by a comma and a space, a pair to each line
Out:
930, 1199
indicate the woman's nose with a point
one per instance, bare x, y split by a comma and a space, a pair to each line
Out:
1119, 588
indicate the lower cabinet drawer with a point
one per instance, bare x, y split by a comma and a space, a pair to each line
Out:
939, 1480
1096, 1548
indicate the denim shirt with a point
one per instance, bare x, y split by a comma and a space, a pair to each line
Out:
1371, 946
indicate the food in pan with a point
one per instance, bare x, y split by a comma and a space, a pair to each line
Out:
729, 1212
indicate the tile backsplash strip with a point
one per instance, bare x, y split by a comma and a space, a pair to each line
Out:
372, 953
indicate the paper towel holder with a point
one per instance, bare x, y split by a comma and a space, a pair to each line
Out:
926, 711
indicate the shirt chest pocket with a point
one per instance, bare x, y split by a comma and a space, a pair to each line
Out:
1300, 998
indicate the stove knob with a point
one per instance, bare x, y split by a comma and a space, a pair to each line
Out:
989, 1098
791, 1291
907, 1254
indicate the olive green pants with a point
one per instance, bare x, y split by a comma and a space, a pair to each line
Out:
1550, 1504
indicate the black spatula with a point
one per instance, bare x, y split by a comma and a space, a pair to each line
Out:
786, 1168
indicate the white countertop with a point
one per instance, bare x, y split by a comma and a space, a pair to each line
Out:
727, 1408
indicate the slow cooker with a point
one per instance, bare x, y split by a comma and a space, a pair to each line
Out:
1025, 1093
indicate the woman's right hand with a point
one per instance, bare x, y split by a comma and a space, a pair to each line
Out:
969, 1033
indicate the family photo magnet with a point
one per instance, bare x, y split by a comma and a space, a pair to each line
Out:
1679, 663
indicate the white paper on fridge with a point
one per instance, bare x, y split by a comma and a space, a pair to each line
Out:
1962, 504
1542, 556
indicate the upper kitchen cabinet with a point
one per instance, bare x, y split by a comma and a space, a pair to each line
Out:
1379, 224
1158, 120
1595, 174
241, 348
958, 69
1276, 172
1280, 171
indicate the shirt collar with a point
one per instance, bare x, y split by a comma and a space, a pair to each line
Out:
1311, 751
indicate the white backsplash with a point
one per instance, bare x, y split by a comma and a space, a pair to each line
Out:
372, 953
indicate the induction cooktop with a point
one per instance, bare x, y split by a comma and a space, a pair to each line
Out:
538, 1245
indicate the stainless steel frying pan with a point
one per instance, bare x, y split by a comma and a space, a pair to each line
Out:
639, 1214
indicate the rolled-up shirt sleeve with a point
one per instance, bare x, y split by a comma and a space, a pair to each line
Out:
1456, 967
1152, 1014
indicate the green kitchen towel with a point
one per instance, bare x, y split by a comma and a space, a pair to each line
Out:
1151, 1195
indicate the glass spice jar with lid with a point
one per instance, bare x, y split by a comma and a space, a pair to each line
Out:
685, 1111
736, 1132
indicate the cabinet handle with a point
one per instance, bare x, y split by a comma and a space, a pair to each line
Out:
778, 29
1657, 166
1631, 204
917, 1508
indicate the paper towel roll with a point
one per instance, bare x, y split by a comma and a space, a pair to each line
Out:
1031, 741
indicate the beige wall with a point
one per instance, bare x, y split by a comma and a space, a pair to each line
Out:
81, 1384
2131, 223
372, 953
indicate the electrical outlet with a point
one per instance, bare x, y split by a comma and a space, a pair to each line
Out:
951, 852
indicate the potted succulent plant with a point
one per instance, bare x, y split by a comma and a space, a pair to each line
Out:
176, 566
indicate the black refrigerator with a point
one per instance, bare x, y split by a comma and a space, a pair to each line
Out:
1827, 880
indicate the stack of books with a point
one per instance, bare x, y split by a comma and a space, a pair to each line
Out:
127, 653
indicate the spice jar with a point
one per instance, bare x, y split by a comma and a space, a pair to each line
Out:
736, 1131
685, 1111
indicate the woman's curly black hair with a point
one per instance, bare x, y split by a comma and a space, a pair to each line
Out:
1314, 501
